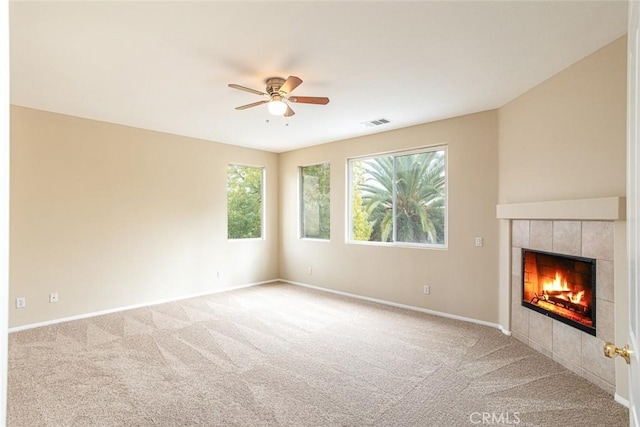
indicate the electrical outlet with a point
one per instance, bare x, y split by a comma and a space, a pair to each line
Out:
53, 297
479, 242
219, 274
21, 302
426, 289
310, 270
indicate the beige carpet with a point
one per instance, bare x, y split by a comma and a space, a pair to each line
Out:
280, 355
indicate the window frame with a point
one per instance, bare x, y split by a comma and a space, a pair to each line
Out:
394, 243
301, 222
263, 203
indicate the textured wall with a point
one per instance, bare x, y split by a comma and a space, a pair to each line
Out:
462, 277
566, 138
110, 216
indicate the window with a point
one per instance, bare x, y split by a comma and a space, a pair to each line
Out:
245, 202
314, 206
399, 198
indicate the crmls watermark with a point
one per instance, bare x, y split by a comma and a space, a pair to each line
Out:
495, 418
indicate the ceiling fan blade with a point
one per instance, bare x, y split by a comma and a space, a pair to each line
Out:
321, 100
289, 112
289, 85
246, 89
254, 104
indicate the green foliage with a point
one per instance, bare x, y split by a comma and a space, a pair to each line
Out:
361, 226
316, 221
419, 204
244, 202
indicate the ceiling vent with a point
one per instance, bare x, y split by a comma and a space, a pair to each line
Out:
376, 122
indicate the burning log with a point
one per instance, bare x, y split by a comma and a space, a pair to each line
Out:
562, 299
566, 303
554, 292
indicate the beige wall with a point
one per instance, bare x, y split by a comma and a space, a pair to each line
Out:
565, 139
4, 204
463, 278
110, 216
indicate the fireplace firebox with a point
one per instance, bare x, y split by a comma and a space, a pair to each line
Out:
560, 286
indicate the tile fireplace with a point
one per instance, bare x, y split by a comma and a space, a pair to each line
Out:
584, 228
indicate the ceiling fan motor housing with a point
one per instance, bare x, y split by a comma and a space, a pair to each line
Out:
274, 84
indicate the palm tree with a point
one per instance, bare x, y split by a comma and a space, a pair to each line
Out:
361, 227
419, 197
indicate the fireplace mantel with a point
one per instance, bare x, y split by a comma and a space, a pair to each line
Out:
596, 209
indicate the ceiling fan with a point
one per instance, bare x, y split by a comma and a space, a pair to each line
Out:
278, 91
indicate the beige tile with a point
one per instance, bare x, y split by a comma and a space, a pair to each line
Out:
576, 369
567, 237
605, 322
541, 235
516, 261
567, 342
540, 349
516, 291
520, 337
520, 320
609, 388
520, 233
597, 239
540, 330
604, 280
594, 360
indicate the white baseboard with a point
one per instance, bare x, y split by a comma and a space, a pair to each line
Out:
621, 400
395, 304
504, 330
129, 307
231, 288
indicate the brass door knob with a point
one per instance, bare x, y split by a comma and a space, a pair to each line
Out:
611, 350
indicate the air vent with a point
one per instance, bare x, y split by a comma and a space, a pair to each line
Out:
376, 122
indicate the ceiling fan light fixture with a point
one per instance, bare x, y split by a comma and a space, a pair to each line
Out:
278, 90
276, 106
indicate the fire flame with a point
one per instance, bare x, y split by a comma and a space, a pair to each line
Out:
576, 297
560, 284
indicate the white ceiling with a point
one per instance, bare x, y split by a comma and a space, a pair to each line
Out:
165, 65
